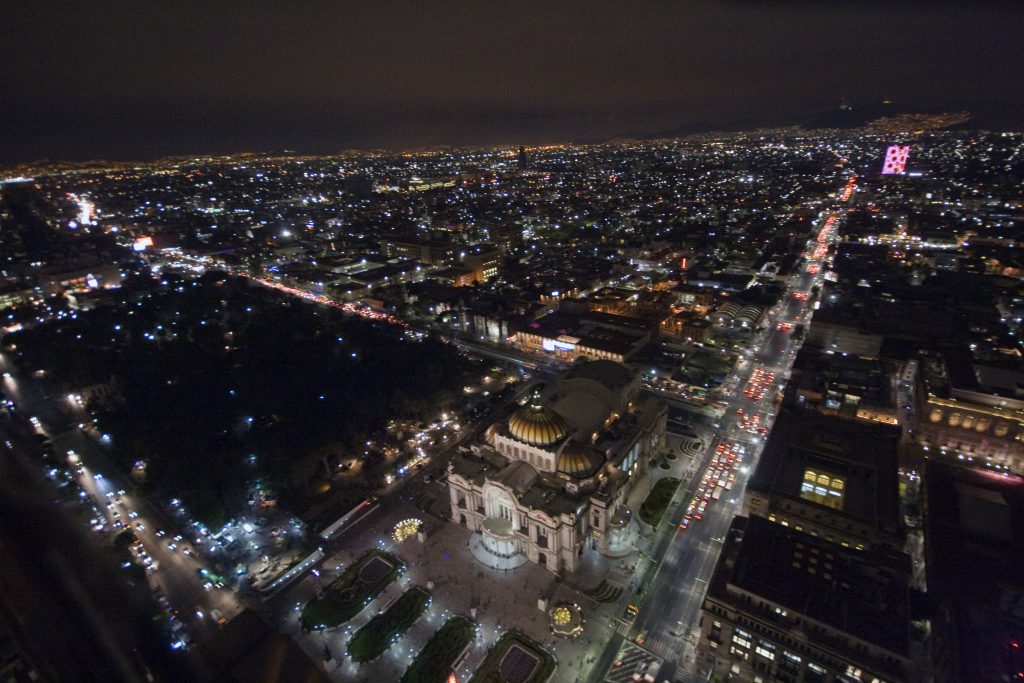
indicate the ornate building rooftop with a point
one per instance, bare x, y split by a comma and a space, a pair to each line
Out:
580, 461
537, 425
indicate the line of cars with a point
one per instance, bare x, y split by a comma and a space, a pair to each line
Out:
104, 513
759, 382
139, 554
718, 478
751, 422
108, 511
180, 639
115, 506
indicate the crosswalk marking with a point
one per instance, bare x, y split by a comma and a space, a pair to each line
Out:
684, 675
659, 648
630, 656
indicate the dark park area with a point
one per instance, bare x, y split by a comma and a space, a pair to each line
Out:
215, 383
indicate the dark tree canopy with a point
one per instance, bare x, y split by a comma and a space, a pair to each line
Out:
213, 370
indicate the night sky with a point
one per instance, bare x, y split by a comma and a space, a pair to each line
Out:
137, 80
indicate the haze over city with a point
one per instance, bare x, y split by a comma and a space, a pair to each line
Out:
136, 81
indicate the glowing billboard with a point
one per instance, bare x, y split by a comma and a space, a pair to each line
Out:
895, 160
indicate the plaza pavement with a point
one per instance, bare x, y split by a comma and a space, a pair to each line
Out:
503, 599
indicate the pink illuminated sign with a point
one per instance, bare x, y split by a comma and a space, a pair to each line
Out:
895, 160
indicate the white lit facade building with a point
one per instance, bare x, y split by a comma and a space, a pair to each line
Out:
971, 411
551, 481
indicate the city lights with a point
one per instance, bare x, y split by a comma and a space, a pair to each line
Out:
406, 529
576, 375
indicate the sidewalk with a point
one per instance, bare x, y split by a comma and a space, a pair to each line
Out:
503, 599
496, 599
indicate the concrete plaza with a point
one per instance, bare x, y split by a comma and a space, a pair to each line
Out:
495, 599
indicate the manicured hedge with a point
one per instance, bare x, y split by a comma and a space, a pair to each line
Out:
435, 660
657, 501
348, 594
489, 670
380, 632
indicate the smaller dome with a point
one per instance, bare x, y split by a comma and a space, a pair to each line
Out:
537, 425
580, 461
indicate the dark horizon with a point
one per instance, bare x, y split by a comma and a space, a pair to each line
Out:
483, 130
137, 83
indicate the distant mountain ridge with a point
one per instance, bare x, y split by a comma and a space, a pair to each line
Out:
848, 117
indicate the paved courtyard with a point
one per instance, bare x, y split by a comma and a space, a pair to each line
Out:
496, 599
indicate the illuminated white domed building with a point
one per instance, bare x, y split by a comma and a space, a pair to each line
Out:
551, 480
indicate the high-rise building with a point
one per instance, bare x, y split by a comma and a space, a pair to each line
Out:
483, 260
973, 539
786, 606
435, 252
831, 477
507, 235
895, 160
971, 407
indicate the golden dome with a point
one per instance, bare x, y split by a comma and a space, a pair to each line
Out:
579, 461
537, 425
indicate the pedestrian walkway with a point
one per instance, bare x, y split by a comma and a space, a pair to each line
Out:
660, 648
629, 660
627, 631
685, 674
593, 569
497, 598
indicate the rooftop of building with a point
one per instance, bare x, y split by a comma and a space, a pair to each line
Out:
452, 272
863, 455
625, 322
975, 532
532, 489
583, 410
537, 424
579, 460
926, 321
599, 331
721, 280
434, 239
975, 528
868, 378
615, 376
861, 593
956, 369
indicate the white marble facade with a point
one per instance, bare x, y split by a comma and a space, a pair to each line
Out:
543, 485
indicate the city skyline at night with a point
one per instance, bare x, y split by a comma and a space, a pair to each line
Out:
512, 343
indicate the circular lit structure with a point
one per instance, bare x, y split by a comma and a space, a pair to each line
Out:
566, 619
406, 529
